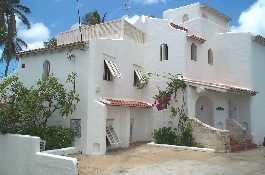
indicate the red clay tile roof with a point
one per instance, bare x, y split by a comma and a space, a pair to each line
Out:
260, 39
126, 103
43, 50
197, 38
228, 88
178, 27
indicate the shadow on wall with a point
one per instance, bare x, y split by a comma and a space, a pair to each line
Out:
23, 154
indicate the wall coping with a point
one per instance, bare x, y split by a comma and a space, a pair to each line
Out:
175, 147
208, 126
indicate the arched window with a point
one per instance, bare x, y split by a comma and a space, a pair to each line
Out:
46, 69
210, 56
185, 18
163, 52
193, 52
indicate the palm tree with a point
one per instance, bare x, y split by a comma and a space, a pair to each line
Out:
9, 10
93, 17
50, 43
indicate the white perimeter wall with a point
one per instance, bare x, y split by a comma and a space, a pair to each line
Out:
20, 156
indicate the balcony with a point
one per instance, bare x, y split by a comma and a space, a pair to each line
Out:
118, 29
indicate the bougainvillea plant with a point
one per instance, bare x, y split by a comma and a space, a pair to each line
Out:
164, 98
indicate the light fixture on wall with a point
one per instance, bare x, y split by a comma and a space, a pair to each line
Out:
70, 56
200, 90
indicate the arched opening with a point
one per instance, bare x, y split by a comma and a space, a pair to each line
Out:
193, 52
210, 56
185, 18
204, 110
46, 69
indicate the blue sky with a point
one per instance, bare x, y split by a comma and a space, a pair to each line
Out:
59, 15
49, 17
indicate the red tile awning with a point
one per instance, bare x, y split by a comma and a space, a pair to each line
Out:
222, 87
126, 103
196, 38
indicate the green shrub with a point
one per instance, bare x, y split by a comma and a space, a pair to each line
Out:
55, 137
164, 136
169, 136
185, 138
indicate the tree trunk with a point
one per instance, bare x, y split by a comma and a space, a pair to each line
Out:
6, 67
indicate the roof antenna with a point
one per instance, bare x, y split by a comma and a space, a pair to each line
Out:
126, 6
79, 20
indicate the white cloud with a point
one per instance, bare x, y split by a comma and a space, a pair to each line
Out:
35, 36
149, 1
253, 19
132, 19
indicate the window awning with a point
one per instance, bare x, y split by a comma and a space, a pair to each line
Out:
126, 103
221, 87
139, 76
113, 68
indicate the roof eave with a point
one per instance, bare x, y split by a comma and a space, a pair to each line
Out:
75, 45
205, 6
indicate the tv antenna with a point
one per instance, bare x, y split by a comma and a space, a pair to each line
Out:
79, 20
126, 6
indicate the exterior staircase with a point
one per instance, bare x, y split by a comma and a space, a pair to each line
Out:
244, 146
112, 136
240, 137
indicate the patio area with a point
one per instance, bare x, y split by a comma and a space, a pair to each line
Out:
142, 159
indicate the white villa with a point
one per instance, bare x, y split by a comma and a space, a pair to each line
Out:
223, 71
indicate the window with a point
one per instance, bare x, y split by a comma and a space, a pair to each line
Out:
193, 52
185, 18
46, 69
23, 66
204, 16
75, 125
210, 56
107, 74
138, 78
163, 52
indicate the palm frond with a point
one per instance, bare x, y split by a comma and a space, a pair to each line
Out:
23, 18
23, 9
21, 43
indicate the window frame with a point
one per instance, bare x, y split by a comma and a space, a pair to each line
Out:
210, 56
107, 75
193, 52
163, 56
185, 18
46, 69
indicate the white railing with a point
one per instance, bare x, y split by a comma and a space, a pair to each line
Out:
209, 136
118, 29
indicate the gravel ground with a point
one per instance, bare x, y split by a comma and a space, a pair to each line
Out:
150, 160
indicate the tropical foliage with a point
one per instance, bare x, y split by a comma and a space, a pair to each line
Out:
182, 134
55, 137
10, 11
50, 43
24, 108
93, 17
171, 136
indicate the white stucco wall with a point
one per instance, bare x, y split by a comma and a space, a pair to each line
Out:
20, 155
121, 124
217, 100
233, 64
143, 124
257, 103
60, 68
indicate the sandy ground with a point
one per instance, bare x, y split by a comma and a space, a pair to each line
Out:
150, 160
